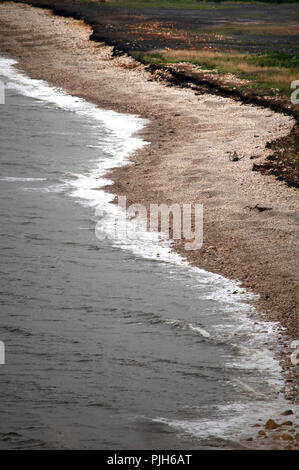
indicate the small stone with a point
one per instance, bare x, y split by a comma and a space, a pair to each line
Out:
261, 433
287, 437
287, 423
271, 424
287, 413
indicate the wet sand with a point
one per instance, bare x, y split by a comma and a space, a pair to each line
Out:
188, 159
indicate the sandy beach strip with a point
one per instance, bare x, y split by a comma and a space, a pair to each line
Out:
192, 138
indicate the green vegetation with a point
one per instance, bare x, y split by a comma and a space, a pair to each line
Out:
275, 59
272, 72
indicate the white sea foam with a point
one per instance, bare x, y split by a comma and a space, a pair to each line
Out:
239, 330
232, 421
199, 330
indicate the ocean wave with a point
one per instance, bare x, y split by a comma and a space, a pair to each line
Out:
243, 334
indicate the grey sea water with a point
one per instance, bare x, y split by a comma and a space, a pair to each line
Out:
108, 346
